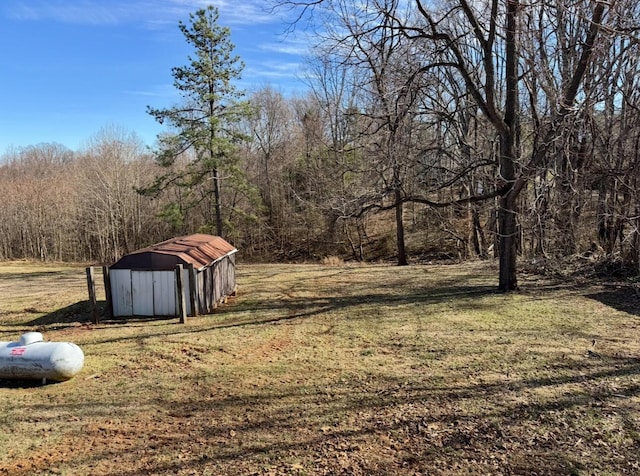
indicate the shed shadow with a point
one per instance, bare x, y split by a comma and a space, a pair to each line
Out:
81, 313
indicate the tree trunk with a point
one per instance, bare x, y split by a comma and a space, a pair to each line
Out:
507, 223
218, 207
508, 135
507, 244
402, 252
477, 235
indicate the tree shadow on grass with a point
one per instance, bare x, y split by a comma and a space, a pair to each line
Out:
391, 406
621, 298
303, 307
236, 314
65, 276
426, 426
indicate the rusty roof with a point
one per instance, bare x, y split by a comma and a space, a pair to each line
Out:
200, 250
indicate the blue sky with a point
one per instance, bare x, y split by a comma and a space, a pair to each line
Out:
69, 68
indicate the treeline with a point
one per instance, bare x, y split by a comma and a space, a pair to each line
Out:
77, 206
306, 198
451, 132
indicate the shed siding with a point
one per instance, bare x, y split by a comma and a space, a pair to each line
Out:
208, 289
164, 295
200, 287
121, 297
230, 275
217, 281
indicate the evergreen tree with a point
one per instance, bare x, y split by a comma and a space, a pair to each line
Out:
204, 125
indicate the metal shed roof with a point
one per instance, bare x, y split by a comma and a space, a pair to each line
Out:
200, 250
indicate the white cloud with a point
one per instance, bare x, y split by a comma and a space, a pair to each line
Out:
154, 13
273, 70
289, 45
238, 12
79, 13
165, 90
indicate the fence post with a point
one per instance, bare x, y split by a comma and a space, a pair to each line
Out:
91, 285
182, 314
107, 291
193, 291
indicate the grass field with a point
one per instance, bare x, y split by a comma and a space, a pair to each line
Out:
353, 370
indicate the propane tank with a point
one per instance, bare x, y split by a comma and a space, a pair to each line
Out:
32, 358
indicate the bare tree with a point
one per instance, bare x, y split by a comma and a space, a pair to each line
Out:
273, 130
364, 39
479, 42
38, 204
114, 219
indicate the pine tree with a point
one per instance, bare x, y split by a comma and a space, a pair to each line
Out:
205, 123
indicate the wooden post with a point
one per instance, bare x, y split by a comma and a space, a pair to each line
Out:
91, 284
182, 307
193, 291
107, 291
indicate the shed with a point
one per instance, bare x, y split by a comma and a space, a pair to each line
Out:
143, 283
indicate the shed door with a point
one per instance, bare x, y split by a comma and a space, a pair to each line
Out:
147, 293
142, 289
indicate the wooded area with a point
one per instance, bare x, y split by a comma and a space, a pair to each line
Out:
461, 129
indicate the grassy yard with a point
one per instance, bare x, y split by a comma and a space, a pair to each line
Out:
353, 370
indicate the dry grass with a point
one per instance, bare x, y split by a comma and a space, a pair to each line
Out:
332, 261
333, 370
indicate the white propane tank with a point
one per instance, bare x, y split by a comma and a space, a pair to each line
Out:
32, 358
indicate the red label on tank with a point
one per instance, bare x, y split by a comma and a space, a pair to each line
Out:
18, 351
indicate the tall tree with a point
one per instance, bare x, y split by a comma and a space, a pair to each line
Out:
206, 122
